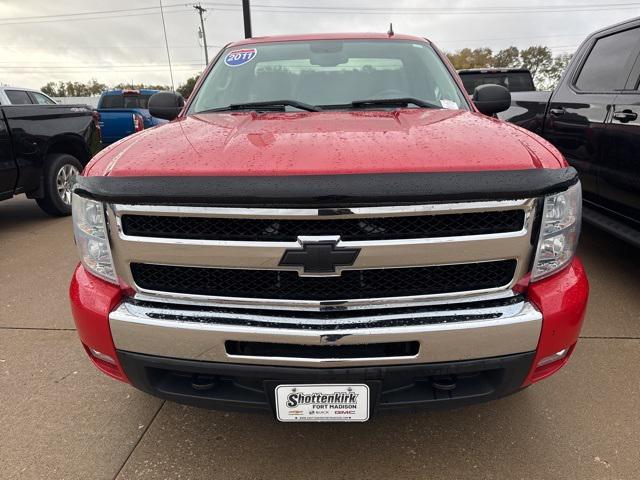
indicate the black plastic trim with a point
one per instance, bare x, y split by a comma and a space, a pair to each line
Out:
251, 387
317, 191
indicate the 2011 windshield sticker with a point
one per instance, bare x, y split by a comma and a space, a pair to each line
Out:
236, 58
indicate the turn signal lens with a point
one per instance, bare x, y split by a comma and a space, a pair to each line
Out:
553, 358
102, 356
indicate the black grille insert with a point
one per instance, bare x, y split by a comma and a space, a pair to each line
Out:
382, 228
352, 284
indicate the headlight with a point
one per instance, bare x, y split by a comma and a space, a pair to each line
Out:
90, 231
559, 232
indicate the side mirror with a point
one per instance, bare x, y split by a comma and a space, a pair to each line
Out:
165, 105
490, 98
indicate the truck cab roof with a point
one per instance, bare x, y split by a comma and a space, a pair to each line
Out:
23, 96
493, 70
328, 36
133, 91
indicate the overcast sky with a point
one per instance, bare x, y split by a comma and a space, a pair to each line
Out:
122, 40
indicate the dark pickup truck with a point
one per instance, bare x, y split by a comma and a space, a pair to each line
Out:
513, 79
593, 119
42, 148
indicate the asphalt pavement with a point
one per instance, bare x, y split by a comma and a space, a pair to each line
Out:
62, 419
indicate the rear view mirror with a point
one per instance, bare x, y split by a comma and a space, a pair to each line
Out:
328, 59
491, 98
165, 105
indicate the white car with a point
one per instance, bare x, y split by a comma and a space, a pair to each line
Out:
23, 96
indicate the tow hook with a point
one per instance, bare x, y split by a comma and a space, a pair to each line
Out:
444, 382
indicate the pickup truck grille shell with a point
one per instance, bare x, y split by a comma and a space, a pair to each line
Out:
465, 250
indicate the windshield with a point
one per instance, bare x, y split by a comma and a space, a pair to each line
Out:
329, 73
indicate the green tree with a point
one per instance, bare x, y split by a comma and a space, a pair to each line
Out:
539, 61
54, 89
468, 58
186, 88
74, 89
140, 86
544, 67
95, 88
553, 73
507, 58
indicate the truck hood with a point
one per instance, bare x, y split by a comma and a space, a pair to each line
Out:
314, 143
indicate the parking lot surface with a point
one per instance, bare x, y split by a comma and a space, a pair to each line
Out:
61, 418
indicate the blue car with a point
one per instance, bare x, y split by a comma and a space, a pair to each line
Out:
123, 112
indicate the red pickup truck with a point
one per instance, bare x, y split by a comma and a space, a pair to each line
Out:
329, 228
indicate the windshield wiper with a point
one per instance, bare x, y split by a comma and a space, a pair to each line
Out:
278, 105
394, 102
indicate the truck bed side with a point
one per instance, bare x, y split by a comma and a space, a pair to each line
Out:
38, 130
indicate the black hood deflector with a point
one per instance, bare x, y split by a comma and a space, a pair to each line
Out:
318, 191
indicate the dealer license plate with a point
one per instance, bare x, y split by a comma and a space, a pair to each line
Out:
322, 403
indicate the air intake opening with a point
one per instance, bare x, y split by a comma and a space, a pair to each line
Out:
370, 350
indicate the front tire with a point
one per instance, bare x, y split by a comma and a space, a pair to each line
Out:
59, 175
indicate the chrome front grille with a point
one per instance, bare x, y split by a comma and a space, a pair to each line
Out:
408, 255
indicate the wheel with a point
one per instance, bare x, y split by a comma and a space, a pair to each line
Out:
59, 174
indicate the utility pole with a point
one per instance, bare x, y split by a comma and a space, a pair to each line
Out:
201, 10
166, 43
246, 14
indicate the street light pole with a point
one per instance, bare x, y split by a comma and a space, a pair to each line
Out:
201, 10
246, 14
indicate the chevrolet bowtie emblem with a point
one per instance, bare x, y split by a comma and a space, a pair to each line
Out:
319, 256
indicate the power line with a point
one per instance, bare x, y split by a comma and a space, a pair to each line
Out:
103, 65
387, 10
88, 13
93, 47
60, 72
337, 8
288, 8
531, 37
98, 17
430, 10
197, 66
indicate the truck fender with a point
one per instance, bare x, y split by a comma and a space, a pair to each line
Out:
69, 143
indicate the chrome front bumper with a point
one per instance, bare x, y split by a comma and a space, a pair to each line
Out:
449, 333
